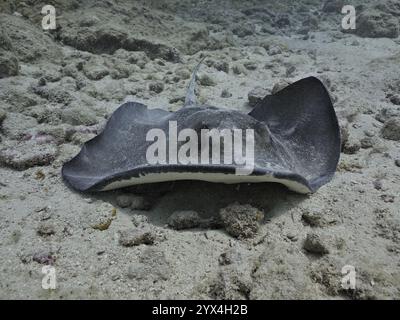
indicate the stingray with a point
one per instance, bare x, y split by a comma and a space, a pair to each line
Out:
296, 142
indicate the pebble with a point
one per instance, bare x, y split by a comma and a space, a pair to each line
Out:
292, 237
135, 237
9, 65
206, 80
274, 50
351, 146
314, 244
241, 221
391, 129
140, 203
250, 65
222, 66
230, 256
377, 184
256, 95
238, 68
102, 217
156, 87
395, 99
318, 218
225, 93
280, 85
367, 143
124, 200
94, 69
180, 220
139, 219
333, 6
46, 229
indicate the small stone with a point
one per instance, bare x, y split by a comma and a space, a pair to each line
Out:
241, 221
292, 237
274, 50
45, 213
102, 217
177, 98
282, 21
367, 143
206, 80
377, 184
256, 95
388, 198
386, 114
46, 229
135, 237
314, 244
94, 69
243, 30
391, 129
139, 220
115, 277
156, 87
183, 73
222, 66
333, 6
180, 220
250, 65
124, 200
395, 99
351, 147
228, 257
226, 94
238, 68
42, 82
318, 218
8, 64
311, 23
397, 162
280, 85
104, 225
290, 70
140, 203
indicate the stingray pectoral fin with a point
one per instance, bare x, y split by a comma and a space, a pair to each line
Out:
116, 149
301, 117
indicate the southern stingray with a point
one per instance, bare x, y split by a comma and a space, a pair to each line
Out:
296, 142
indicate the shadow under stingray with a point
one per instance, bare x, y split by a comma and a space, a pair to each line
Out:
206, 198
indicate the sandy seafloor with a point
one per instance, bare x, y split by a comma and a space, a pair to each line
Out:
57, 89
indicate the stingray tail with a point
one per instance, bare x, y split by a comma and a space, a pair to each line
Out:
190, 98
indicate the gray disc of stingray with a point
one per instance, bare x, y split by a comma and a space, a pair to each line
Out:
296, 143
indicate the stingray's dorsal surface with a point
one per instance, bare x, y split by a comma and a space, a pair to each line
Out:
297, 142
